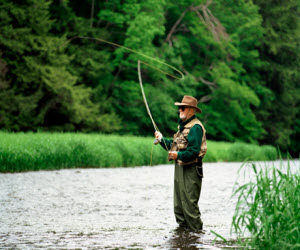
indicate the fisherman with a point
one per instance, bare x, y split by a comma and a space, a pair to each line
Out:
187, 148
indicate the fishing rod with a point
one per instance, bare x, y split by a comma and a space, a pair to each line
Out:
156, 141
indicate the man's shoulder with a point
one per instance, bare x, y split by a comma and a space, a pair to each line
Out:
194, 122
196, 126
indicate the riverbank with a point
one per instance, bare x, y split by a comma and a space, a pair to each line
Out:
47, 151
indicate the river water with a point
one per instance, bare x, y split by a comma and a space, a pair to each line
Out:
119, 208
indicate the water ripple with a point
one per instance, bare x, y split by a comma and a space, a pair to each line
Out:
110, 208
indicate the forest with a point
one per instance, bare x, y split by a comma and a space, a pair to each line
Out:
240, 59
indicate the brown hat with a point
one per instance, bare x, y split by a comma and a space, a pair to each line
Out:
190, 102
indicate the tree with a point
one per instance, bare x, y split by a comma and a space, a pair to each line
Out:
41, 91
135, 25
214, 52
280, 50
240, 61
91, 60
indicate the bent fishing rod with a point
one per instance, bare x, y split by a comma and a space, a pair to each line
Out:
156, 141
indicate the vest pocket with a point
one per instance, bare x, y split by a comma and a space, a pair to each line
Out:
181, 146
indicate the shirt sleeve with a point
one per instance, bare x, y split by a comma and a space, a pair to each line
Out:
166, 142
194, 144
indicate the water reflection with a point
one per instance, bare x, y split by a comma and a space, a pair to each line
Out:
183, 238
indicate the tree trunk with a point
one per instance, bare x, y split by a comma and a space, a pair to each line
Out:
92, 13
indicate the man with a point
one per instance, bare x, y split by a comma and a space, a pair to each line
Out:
187, 148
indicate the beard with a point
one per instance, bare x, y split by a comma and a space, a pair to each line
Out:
182, 116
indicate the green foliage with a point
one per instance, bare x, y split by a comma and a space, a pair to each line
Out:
90, 63
268, 208
44, 94
240, 60
280, 50
217, 65
36, 151
143, 25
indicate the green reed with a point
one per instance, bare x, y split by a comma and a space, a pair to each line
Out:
38, 151
267, 214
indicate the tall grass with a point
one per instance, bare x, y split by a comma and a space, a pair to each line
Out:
239, 152
268, 209
37, 151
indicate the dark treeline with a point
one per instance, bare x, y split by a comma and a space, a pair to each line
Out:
241, 60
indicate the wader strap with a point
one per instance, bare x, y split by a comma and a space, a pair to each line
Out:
199, 167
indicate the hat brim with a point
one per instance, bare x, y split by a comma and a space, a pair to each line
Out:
198, 110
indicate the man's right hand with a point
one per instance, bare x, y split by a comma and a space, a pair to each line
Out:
158, 135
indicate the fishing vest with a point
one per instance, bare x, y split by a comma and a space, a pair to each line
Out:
180, 141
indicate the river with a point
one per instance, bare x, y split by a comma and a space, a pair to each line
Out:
116, 208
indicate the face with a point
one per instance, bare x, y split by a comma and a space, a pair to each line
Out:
185, 112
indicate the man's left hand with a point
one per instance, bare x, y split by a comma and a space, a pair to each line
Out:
172, 155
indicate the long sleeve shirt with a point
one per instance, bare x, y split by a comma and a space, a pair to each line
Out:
194, 142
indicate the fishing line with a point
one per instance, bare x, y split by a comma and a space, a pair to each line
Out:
139, 75
134, 51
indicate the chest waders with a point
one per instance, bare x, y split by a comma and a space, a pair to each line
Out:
188, 182
187, 189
